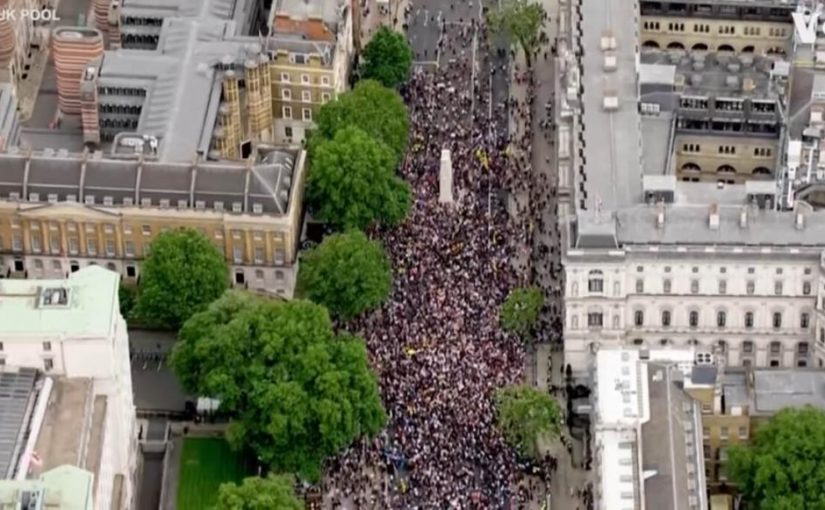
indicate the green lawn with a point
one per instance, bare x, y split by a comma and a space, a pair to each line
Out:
206, 463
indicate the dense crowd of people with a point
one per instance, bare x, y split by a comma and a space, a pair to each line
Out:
437, 345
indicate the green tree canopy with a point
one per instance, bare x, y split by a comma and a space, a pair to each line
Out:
520, 21
526, 414
387, 58
297, 392
352, 182
256, 493
347, 273
784, 466
370, 106
520, 311
182, 274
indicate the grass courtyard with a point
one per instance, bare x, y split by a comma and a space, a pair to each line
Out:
206, 463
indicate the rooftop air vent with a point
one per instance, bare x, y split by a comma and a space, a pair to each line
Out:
54, 297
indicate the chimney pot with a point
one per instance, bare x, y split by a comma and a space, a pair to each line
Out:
743, 217
660, 214
713, 217
800, 221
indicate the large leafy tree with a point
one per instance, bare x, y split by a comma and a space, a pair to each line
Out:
520, 21
370, 106
784, 466
297, 392
387, 58
347, 273
256, 493
520, 311
525, 415
182, 274
352, 182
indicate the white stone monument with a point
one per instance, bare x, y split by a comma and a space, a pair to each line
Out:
445, 180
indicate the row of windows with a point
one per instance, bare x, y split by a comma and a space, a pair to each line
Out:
146, 230
47, 346
595, 285
305, 79
695, 269
702, 103
306, 96
747, 347
721, 29
723, 435
764, 152
722, 287
721, 319
306, 113
107, 246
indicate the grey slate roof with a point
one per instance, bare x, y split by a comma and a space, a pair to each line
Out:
16, 391
665, 439
612, 139
687, 225
267, 183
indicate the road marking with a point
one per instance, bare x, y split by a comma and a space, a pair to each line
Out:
426, 17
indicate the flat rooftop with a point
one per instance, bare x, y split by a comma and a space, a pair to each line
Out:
91, 301
690, 225
644, 418
705, 73
774, 390
612, 136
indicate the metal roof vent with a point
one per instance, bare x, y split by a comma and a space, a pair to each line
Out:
610, 62
610, 101
54, 297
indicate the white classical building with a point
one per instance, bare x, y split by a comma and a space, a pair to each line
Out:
745, 284
647, 430
656, 259
81, 410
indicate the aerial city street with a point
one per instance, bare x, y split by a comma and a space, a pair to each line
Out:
412, 254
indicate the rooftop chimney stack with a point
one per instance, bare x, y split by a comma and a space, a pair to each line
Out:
660, 214
713, 216
800, 220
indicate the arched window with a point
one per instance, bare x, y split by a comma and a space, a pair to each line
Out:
650, 44
675, 45
665, 318
574, 289
691, 167
761, 170
726, 169
693, 319
748, 319
748, 49
595, 281
725, 47
699, 47
721, 318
